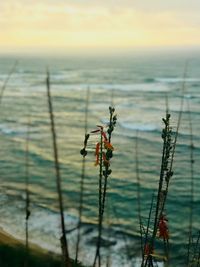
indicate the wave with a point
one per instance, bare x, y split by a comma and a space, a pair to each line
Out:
195, 85
149, 80
6, 130
138, 126
177, 80
141, 87
189, 96
46, 232
12, 131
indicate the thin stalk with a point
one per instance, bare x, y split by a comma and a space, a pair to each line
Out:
149, 258
167, 104
165, 175
112, 98
196, 255
167, 178
183, 88
138, 189
63, 239
160, 182
108, 258
82, 177
192, 181
107, 166
104, 173
180, 114
7, 80
167, 162
98, 255
27, 193
198, 258
172, 153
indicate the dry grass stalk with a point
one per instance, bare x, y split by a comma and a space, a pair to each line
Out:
104, 172
63, 238
82, 175
27, 193
7, 80
138, 190
191, 183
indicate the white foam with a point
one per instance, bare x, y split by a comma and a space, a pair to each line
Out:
177, 80
11, 130
138, 126
5, 129
44, 231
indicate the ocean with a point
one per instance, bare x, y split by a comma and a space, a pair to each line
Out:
136, 84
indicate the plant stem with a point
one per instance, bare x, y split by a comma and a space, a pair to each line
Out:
138, 189
82, 179
7, 80
149, 257
98, 255
63, 239
191, 183
27, 192
106, 168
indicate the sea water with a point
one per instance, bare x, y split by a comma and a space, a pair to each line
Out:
137, 86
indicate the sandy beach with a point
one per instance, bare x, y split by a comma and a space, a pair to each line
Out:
7, 239
12, 251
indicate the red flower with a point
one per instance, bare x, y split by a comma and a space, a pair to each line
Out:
163, 228
104, 136
147, 249
108, 145
97, 154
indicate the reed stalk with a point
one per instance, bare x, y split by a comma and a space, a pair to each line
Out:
166, 172
100, 218
108, 156
104, 172
82, 175
165, 175
191, 182
63, 239
195, 255
138, 190
183, 88
7, 80
108, 258
147, 243
27, 194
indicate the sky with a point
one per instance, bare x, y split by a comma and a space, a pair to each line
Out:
90, 24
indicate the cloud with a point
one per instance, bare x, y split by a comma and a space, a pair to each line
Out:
99, 23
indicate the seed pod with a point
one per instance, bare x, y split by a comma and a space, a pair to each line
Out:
83, 152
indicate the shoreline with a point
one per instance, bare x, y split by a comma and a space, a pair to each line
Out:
9, 240
13, 253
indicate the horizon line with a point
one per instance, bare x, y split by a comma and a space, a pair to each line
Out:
60, 50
